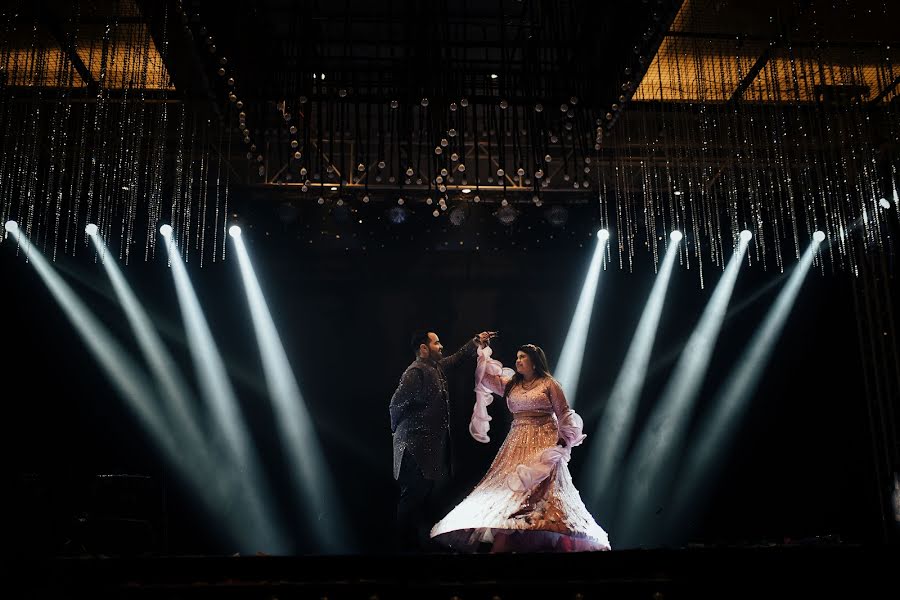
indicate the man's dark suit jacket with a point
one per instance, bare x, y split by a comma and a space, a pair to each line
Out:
420, 414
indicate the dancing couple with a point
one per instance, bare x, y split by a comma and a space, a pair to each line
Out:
526, 502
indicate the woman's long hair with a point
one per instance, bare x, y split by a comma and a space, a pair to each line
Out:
538, 359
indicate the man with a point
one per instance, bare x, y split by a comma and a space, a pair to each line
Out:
420, 426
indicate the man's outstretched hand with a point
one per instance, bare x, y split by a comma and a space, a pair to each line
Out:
486, 336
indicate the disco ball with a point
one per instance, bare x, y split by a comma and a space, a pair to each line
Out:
458, 216
507, 215
557, 215
397, 215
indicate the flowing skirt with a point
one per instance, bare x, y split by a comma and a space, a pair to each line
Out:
549, 517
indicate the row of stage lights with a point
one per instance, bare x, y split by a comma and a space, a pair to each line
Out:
662, 440
235, 230
221, 467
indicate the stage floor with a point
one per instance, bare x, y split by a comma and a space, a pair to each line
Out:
755, 572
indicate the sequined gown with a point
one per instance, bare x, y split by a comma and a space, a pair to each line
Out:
526, 501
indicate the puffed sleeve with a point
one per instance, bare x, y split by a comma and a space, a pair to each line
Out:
409, 389
490, 378
570, 423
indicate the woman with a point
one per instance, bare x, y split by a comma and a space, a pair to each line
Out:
526, 501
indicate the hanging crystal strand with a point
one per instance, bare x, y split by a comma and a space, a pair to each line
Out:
658, 190
746, 204
6, 177
150, 177
228, 179
174, 217
703, 169
97, 136
112, 140
669, 126
604, 201
647, 193
120, 160
218, 194
781, 172
804, 73
54, 78
716, 160
157, 149
836, 114
131, 177
836, 189
722, 178
204, 183
9, 119
804, 155
843, 195
866, 184
731, 193
694, 163
684, 94
865, 134
31, 167
59, 122
734, 172
201, 190
856, 211
188, 201
66, 97
22, 150
158, 177
137, 157
122, 115
24, 138
76, 182
840, 142
620, 228
754, 142
5, 106
886, 75
757, 144
630, 225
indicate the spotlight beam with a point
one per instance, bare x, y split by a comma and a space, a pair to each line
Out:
298, 435
648, 473
217, 392
161, 364
732, 399
122, 371
133, 387
609, 444
569, 368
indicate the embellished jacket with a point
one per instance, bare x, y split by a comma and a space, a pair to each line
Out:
420, 413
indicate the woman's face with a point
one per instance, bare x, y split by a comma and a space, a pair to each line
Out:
523, 363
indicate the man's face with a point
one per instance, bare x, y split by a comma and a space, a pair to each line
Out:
434, 346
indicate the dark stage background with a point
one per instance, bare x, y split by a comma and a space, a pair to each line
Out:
800, 466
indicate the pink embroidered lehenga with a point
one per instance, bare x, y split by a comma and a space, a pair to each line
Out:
526, 500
